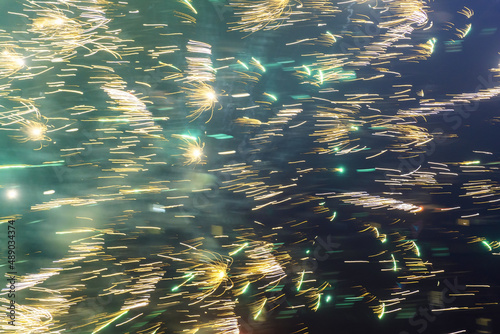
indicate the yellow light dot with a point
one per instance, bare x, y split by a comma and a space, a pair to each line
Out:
211, 95
12, 193
196, 153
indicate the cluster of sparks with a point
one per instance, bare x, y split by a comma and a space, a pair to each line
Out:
128, 116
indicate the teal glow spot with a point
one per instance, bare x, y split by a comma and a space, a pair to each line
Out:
220, 136
367, 170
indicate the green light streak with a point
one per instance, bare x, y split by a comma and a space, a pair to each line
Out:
383, 311
307, 69
261, 308
416, 248
467, 31
190, 277
245, 288
300, 97
432, 43
321, 78
170, 65
328, 298
394, 262
301, 280
475, 162
242, 64
271, 96
220, 136
109, 322
367, 170
238, 250
56, 163
330, 34
487, 244
259, 65
211, 68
